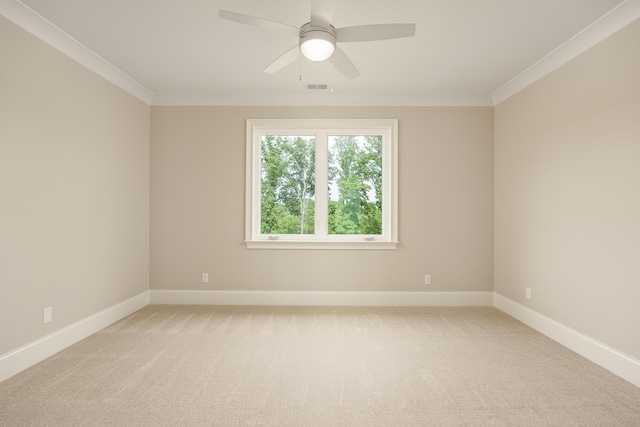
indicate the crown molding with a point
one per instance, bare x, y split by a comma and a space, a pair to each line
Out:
616, 19
25, 17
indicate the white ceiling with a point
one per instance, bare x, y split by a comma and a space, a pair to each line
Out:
463, 51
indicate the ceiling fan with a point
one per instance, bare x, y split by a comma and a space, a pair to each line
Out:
317, 39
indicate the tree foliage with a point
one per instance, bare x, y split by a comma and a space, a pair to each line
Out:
288, 185
355, 170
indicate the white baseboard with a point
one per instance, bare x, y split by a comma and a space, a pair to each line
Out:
28, 355
321, 298
609, 358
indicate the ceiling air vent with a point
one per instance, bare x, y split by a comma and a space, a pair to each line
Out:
318, 87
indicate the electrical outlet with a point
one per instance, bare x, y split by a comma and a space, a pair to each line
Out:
527, 293
427, 279
205, 277
47, 315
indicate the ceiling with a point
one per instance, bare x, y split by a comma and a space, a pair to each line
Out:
181, 52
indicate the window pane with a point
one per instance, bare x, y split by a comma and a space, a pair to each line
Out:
355, 184
287, 184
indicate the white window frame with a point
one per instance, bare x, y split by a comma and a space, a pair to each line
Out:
322, 129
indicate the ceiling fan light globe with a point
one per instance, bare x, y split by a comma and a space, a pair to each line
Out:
317, 45
317, 49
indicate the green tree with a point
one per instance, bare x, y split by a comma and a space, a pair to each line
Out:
288, 184
356, 170
298, 186
272, 171
370, 168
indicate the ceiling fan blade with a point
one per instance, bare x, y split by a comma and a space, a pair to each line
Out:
341, 61
365, 33
322, 12
260, 23
283, 60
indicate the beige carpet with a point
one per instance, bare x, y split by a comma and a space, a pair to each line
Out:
317, 366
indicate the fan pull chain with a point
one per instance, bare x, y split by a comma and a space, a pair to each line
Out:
300, 67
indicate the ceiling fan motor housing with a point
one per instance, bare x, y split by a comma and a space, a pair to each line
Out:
317, 43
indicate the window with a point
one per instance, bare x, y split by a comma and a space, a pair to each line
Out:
321, 184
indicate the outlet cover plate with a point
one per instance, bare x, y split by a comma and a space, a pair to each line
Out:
47, 315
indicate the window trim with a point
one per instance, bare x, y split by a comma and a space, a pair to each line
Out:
255, 128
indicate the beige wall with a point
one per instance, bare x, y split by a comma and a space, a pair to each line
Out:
74, 190
567, 189
445, 205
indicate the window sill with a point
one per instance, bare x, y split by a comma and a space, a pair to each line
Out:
333, 245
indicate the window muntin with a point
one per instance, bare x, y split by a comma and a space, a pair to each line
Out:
315, 183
